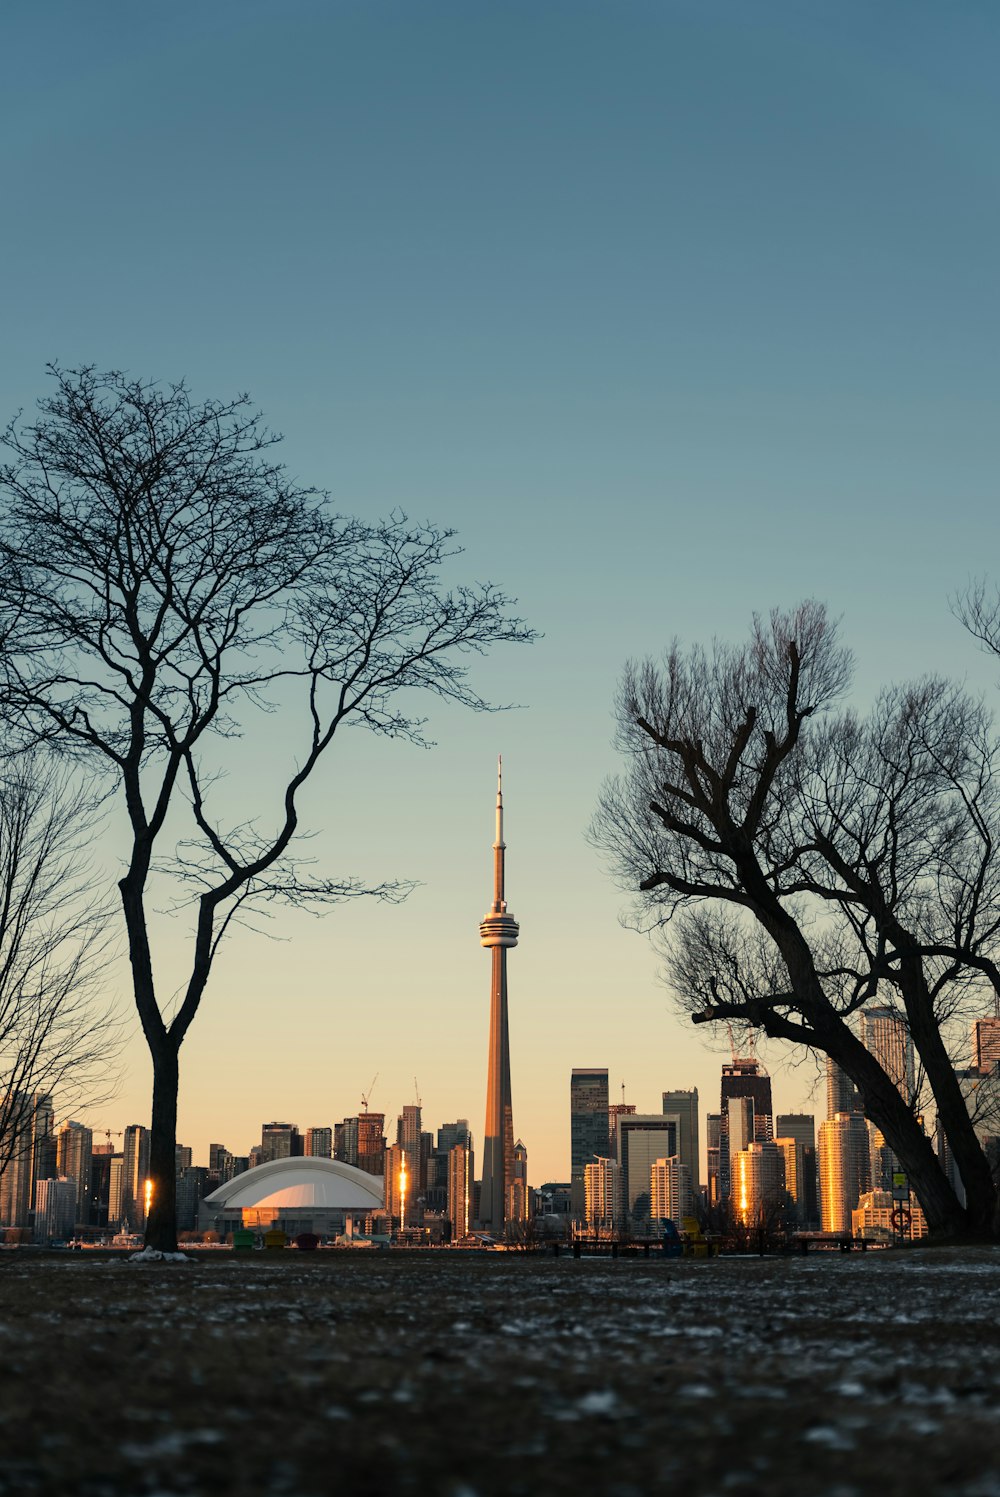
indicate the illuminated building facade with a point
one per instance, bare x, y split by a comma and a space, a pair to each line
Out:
844, 1169
758, 1183
744, 1081
460, 1178
602, 1194
670, 1192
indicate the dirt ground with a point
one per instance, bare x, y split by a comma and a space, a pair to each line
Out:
471, 1376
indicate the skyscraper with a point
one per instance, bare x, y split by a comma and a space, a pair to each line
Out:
844, 1169
74, 1149
319, 1142
758, 1177
985, 1043
642, 1139
409, 1136
460, 1174
370, 1142
683, 1107
670, 1194
588, 1127
518, 1200
713, 1134
602, 1193
743, 1079
497, 931
280, 1141
796, 1133
841, 1093
135, 1170
885, 1033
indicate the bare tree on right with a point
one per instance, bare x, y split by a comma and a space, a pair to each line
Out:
797, 861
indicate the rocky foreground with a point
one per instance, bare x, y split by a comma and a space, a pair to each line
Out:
438, 1373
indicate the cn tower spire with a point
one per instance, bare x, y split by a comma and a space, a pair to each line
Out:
498, 931
499, 847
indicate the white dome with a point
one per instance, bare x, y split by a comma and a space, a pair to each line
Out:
300, 1184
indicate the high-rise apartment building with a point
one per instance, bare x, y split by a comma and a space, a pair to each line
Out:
518, 1195
841, 1093
713, 1135
32, 1157
460, 1178
74, 1151
743, 1079
409, 1135
602, 1194
885, 1034
450, 1134
55, 1209
985, 1043
371, 1143
796, 1135
279, 1141
401, 1196
116, 1191
682, 1106
642, 1139
498, 932
319, 1143
135, 1172
844, 1169
615, 1111
670, 1192
588, 1127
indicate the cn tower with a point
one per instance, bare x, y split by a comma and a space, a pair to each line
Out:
498, 930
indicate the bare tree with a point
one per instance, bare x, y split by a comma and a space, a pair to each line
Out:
163, 581
58, 1032
799, 862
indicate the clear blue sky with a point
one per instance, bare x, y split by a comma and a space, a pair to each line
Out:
673, 310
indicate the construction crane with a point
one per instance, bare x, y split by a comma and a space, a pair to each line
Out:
109, 1135
367, 1094
751, 1045
416, 1092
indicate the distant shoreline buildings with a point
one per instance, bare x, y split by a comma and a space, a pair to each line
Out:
628, 1171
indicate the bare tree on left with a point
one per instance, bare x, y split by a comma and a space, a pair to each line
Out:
164, 585
58, 1031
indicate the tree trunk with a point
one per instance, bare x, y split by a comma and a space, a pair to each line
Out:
953, 1114
884, 1106
161, 1224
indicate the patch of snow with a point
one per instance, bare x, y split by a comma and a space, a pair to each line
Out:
153, 1255
829, 1437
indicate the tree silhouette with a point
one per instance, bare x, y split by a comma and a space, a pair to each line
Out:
164, 580
798, 862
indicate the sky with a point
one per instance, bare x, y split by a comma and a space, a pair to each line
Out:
674, 311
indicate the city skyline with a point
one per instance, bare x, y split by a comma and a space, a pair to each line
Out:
661, 363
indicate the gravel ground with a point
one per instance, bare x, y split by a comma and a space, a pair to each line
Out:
475, 1376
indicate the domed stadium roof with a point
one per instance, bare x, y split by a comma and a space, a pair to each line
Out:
299, 1184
